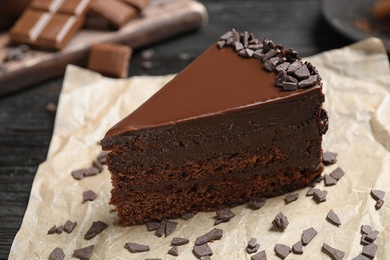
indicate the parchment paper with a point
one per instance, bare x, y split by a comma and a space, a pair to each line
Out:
357, 87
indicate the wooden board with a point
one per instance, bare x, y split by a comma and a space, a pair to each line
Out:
161, 20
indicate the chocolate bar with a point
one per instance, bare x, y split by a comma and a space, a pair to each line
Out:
49, 24
109, 59
116, 12
140, 5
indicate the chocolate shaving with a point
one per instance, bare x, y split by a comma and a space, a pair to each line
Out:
370, 250
202, 250
329, 180
174, 251
308, 235
297, 248
69, 226
282, 251
280, 222
84, 253
333, 253
259, 256
96, 228
333, 218
291, 197
136, 248
329, 158
337, 173
214, 234
57, 254
89, 195
177, 241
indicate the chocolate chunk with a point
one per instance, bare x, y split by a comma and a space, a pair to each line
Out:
308, 235
252, 242
302, 73
245, 39
310, 81
268, 65
214, 234
288, 86
238, 46
202, 250
174, 251
224, 215
78, 174
259, 256
221, 44
187, 216
280, 221
170, 226
152, 225
230, 41
372, 236
84, 253
329, 180
102, 157
251, 250
291, 79
363, 240
379, 204
97, 165
136, 248
226, 35
96, 228
177, 241
333, 218
258, 54
320, 196
297, 248
370, 250
378, 194
57, 254
280, 78
294, 67
69, 226
365, 229
282, 251
324, 122
161, 228
59, 229
255, 46
291, 197
283, 66
274, 61
236, 35
247, 53
333, 253
292, 55
337, 173
361, 257
329, 158
269, 55
52, 230
268, 44
311, 191
89, 195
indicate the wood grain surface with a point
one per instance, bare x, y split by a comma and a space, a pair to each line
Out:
26, 126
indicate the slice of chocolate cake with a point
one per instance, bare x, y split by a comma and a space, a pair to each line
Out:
245, 119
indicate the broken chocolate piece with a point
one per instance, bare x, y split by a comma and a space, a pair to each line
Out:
310, 81
140, 5
59, 229
291, 197
221, 44
214, 234
333, 253
96, 228
337, 173
282, 251
102, 157
293, 67
98, 165
311, 191
238, 46
329, 180
187, 216
174, 251
84, 253
224, 215
372, 236
202, 250
258, 54
268, 65
69, 226
280, 222
52, 230
251, 250
89, 195
308, 235
78, 174
288, 86
283, 66
361, 257
302, 73
87, 172
269, 55
329, 158
370, 250
333, 218
115, 11
379, 204
57, 254
259, 256
152, 225
170, 226
161, 228
177, 241
136, 248
252, 242
365, 229
378, 194
297, 248
320, 196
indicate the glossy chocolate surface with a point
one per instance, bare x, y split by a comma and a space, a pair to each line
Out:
217, 82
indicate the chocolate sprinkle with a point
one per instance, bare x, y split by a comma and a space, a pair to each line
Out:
378, 194
137, 248
337, 173
329, 180
333, 218
202, 250
259, 256
170, 226
370, 250
214, 234
178, 241
329, 158
282, 251
69, 226
308, 235
291, 197
57, 254
174, 251
96, 228
280, 221
297, 248
84, 253
89, 195
333, 253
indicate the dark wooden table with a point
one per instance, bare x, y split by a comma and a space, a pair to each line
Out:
26, 126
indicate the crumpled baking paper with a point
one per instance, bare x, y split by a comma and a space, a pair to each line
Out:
357, 88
